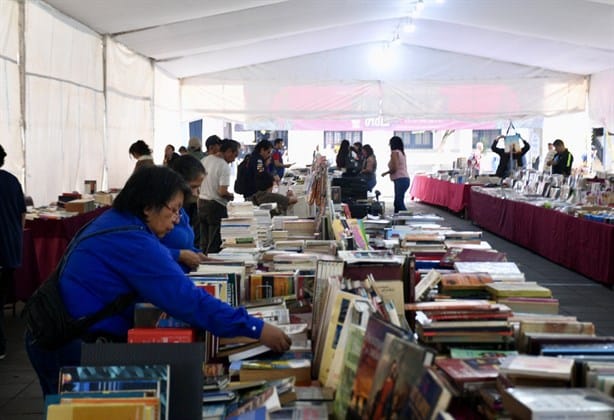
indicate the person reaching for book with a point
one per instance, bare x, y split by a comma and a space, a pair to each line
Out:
509, 159
180, 240
120, 254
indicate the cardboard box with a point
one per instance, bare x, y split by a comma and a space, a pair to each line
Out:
80, 206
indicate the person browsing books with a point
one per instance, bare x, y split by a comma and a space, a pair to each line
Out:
180, 240
214, 195
369, 166
265, 194
397, 169
12, 222
562, 159
127, 257
277, 165
257, 165
509, 160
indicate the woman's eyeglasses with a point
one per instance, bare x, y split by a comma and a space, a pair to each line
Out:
176, 212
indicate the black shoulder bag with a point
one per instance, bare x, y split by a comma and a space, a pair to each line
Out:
46, 318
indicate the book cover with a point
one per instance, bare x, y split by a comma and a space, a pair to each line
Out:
487, 267
538, 367
466, 353
523, 289
276, 369
458, 254
426, 283
125, 411
369, 356
454, 281
113, 378
427, 400
152, 402
399, 369
147, 315
557, 402
161, 335
351, 356
358, 314
569, 327
477, 369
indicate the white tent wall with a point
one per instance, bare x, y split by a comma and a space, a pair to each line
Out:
64, 104
10, 131
129, 108
167, 113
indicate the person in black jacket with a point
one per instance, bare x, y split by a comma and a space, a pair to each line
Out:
562, 160
257, 165
509, 160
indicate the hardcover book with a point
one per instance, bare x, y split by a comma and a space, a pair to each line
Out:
560, 403
351, 356
371, 351
537, 367
399, 370
105, 378
463, 372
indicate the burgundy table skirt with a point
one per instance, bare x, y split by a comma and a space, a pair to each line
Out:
441, 193
45, 241
578, 244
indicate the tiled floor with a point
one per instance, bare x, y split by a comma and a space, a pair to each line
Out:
21, 398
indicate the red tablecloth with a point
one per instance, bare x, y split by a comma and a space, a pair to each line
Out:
581, 245
45, 241
441, 193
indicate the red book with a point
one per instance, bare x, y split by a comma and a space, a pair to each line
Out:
478, 369
161, 335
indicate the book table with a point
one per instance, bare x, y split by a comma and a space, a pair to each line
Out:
441, 193
578, 244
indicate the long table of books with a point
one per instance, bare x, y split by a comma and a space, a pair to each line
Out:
582, 245
451, 195
464, 342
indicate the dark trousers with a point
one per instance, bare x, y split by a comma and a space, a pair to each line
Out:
401, 186
7, 290
211, 213
191, 209
47, 364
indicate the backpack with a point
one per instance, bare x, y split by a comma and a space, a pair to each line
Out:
47, 320
242, 181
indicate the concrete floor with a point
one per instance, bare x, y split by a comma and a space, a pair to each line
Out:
21, 398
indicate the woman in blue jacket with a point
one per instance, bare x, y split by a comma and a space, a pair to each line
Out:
133, 260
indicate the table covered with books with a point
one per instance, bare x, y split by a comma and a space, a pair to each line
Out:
581, 245
45, 240
443, 193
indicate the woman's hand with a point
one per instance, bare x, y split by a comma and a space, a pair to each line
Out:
189, 258
274, 338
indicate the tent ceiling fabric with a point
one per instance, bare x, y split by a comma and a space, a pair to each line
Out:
306, 41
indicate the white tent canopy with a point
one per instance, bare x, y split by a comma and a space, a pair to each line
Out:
83, 79
237, 58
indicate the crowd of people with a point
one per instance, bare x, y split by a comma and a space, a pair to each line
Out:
165, 222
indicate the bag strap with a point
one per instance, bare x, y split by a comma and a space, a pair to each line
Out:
121, 302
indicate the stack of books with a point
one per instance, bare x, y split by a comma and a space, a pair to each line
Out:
462, 321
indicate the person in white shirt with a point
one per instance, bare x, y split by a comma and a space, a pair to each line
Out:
214, 195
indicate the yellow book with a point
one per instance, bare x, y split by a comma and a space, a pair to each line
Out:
124, 411
340, 306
